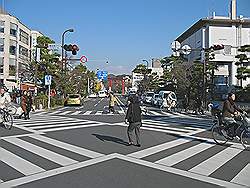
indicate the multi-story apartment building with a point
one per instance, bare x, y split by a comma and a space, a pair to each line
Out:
232, 32
16, 44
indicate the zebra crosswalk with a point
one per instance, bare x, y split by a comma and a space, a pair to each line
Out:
44, 123
22, 158
201, 157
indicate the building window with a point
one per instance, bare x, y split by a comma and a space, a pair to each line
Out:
1, 26
1, 44
13, 29
13, 45
12, 67
24, 37
1, 64
23, 51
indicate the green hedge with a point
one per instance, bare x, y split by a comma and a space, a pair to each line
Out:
43, 99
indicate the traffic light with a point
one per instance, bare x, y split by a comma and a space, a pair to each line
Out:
68, 47
74, 49
218, 47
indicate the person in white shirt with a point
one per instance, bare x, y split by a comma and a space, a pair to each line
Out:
4, 100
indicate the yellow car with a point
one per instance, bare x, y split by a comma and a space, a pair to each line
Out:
73, 99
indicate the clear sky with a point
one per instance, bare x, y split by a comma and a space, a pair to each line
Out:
124, 32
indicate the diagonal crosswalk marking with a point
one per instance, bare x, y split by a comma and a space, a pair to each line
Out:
64, 113
159, 148
98, 113
76, 113
213, 163
150, 122
18, 163
66, 146
70, 127
155, 113
62, 124
54, 122
87, 113
166, 128
55, 112
52, 156
243, 177
185, 154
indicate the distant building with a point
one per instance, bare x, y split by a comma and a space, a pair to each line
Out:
232, 32
16, 44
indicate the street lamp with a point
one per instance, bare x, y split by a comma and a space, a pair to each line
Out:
144, 60
63, 35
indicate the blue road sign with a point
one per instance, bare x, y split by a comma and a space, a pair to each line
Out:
47, 79
102, 75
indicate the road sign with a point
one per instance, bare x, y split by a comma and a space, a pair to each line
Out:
175, 45
186, 49
102, 75
83, 59
47, 79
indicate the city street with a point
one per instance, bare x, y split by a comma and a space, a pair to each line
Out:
85, 146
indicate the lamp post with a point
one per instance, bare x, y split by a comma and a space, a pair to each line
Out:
63, 35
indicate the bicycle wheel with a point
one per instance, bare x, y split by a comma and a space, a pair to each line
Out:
8, 120
218, 137
12, 110
245, 139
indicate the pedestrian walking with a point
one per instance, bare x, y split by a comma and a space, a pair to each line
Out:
24, 105
29, 104
112, 101
133, 117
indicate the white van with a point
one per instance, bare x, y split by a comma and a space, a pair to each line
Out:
167, 99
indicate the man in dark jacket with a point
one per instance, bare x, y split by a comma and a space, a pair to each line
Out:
133, 116
230, 110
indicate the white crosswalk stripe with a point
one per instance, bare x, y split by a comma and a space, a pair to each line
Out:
185, 154
87, 113
76, 113
29, 167
243, 176
206, 167
75, 149
210, 165
18, 163
52, 156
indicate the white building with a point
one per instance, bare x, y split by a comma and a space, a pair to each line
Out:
232, 32
16, 44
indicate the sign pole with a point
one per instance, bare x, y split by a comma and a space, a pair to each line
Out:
49, 98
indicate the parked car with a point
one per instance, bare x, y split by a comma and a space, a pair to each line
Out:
167, 99
102, 94
154, 100
148, 97
73, 99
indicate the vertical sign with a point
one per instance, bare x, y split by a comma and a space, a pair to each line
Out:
47, 81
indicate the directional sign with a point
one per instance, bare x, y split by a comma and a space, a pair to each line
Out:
47, 79
83, 59
102, 75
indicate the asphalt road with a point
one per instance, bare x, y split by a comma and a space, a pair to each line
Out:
86, 146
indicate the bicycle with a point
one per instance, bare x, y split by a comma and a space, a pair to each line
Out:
242, 131
6, 118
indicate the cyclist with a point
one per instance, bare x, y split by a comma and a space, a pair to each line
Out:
5, 98
230, 111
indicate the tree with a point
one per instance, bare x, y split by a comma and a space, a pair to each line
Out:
243, 70
142, 69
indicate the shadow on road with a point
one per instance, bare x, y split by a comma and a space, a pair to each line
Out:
110, 138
